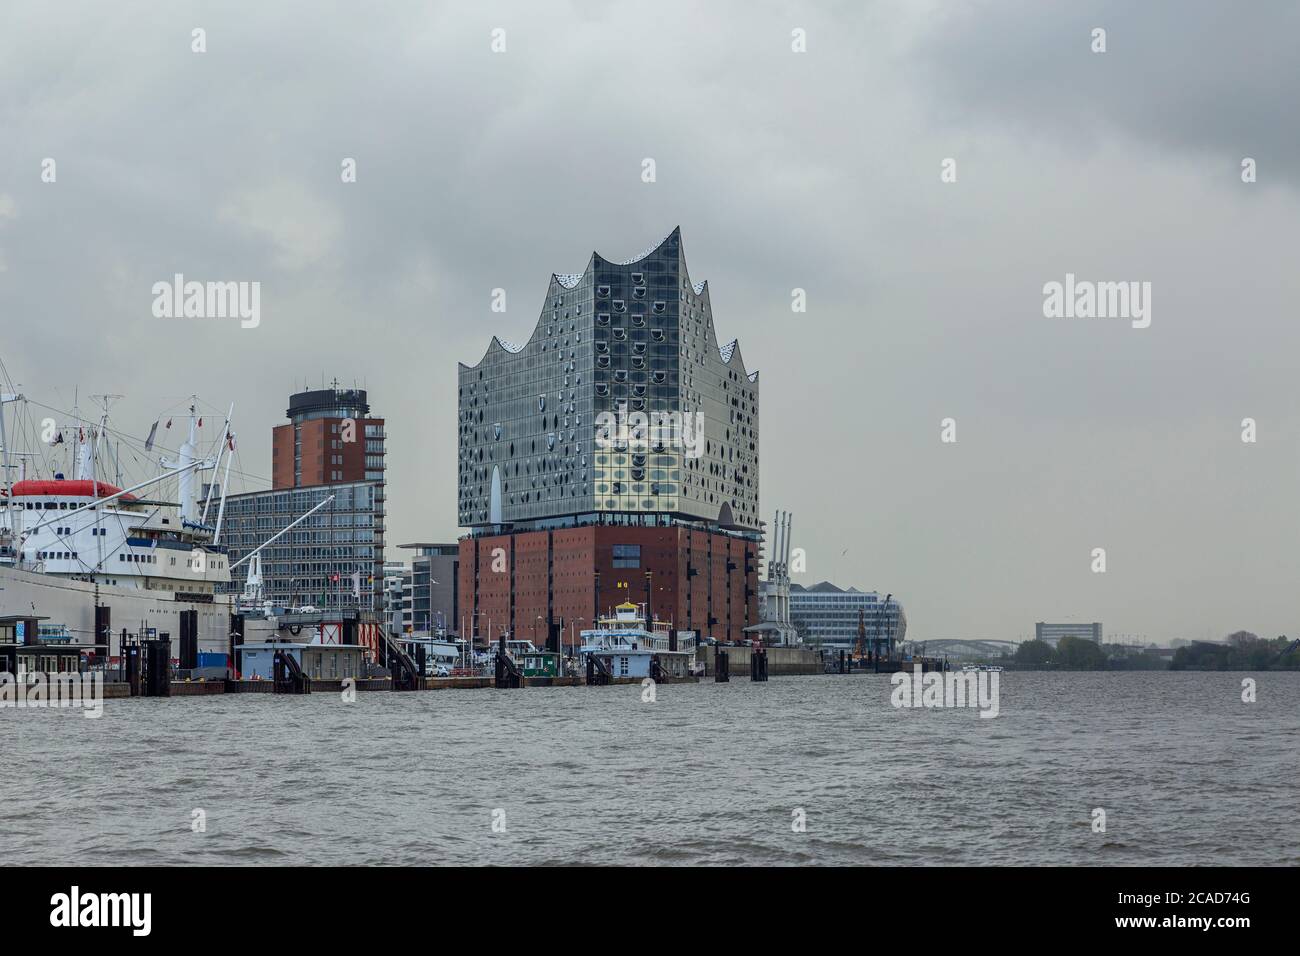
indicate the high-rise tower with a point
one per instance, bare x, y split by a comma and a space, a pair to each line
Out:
330, 438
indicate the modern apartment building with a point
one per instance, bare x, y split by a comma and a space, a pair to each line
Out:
434, 605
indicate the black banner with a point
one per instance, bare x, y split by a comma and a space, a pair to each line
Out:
134, 905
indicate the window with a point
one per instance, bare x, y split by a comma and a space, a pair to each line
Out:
627, 555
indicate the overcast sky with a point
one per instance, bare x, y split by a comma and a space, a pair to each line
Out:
818, 170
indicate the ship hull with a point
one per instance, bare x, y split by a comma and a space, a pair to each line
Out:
70, 604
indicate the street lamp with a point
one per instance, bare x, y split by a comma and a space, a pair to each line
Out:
573, 641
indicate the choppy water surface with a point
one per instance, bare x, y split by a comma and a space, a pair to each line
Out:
708, 773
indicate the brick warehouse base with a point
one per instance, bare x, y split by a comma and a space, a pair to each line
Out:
700, 580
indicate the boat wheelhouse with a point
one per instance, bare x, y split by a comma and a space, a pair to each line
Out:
628, 648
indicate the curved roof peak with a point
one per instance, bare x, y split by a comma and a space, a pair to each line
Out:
677, 232
728, 352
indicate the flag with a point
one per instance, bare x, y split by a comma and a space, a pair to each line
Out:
81, 435
148, 442
200, 422
58, 439
169, 423
230, 441
356, 584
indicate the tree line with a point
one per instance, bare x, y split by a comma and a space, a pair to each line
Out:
1241, 651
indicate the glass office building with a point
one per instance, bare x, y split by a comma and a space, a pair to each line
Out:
326, 560
827, 615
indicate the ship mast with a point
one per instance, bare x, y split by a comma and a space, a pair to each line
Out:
99, 433
225, 441
5, 399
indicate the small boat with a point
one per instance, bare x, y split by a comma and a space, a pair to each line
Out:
629, 649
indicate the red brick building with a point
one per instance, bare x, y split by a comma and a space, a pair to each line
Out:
698, 579
330, 439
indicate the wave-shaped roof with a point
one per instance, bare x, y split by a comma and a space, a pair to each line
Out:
570, 280
650, 251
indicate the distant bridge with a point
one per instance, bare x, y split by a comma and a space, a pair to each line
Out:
955, 648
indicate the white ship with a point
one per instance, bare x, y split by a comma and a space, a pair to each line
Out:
77, 550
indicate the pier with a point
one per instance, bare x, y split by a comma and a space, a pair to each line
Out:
207, 688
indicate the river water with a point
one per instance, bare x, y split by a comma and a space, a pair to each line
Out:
708, 774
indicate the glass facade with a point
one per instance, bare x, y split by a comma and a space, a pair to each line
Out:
344, 537
620, 340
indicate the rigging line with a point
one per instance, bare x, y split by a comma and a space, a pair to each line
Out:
112, 431
132, 442
108, 429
